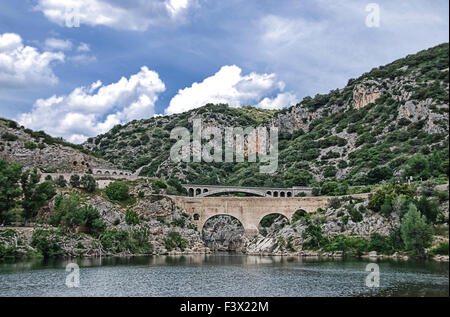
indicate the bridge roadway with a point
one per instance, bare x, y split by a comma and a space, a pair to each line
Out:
209, 190
249, 210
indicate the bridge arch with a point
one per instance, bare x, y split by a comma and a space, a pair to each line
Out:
269, 219
230, 191
213, 237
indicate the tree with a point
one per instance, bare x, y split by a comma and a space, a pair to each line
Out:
75, 181
35, 195
60, 181
416, 233
9, 187
429, 208
88, 183
117, 191
328, 188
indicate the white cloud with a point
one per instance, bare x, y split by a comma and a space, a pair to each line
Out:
134, 15
82, 58
226, 86
280, 101
83, 47
58, 44
89, 111
24, 66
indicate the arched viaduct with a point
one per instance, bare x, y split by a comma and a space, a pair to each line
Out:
248, 210
209, 190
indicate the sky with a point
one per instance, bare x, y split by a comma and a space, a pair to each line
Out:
76, 68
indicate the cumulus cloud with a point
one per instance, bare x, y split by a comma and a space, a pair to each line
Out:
134, 15
89, 111
229, 86
280, 101
58, 44
24, 66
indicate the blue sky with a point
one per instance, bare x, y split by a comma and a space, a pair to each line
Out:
135, 59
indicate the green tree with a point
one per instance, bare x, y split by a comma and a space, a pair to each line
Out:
88, 183
35, 195
117, 191
60, 181
75, 181
131, 217
416, 232
9, 188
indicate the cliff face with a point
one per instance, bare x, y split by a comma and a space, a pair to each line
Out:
38, 150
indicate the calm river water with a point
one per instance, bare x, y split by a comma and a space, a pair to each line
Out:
223, 275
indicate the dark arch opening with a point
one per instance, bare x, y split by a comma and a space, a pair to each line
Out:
275, 194
289, 194
235, 194
198, 191
272, 223
298, 215
205, 190
269, 193
282, 194
223, 233
196, 217
191, 192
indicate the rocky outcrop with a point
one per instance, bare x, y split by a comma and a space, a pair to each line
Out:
365, 94
34, 152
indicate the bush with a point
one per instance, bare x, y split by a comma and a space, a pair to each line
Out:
30, 145
131, 217
60, 181
88, 183
441, 249
355, 215
117, 191
174, 240
9, 137
46, 243
348, 245
75, 181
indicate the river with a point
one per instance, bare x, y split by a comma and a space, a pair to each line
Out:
224, 275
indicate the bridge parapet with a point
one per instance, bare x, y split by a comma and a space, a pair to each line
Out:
209, 190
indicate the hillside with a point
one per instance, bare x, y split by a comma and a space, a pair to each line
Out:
38, 149
390, 122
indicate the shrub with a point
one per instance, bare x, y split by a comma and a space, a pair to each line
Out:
46, 243
60, 181
355, 215
174, 240
131, 217
30, 145
75, 181
9, 137
117, 191
441, 248
88, 183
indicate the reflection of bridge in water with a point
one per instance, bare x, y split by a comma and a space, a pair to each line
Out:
249, 210
209, 190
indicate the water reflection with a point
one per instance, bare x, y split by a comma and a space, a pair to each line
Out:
223, 275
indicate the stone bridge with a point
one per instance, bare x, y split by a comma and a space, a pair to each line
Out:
209, 190
249, 210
